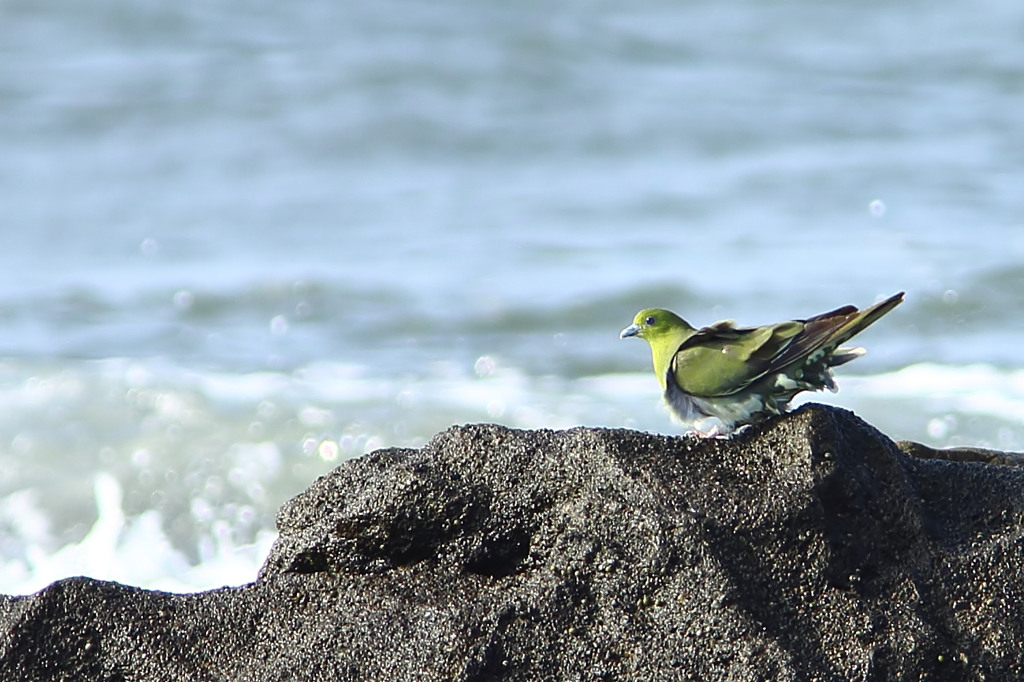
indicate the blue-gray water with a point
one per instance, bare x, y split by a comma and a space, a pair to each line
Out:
242, 242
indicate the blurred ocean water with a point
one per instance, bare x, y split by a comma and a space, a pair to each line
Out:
244, 243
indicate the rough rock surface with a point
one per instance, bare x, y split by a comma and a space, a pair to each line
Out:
809, 547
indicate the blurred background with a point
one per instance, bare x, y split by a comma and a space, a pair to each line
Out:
243, 242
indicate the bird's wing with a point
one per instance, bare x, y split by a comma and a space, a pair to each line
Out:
721, 359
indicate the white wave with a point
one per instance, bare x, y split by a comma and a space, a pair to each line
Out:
977, 389
135, 552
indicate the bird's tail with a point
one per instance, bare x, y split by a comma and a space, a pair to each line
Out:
858, 323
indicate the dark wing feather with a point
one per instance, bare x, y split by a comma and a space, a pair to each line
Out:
816, 333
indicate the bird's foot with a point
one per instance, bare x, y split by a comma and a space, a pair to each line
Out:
716, 431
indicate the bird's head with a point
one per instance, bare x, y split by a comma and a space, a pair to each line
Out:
653, 324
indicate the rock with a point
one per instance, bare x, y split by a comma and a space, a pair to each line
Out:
807, 547
962, 454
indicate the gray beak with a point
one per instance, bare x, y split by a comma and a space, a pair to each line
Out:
631, 330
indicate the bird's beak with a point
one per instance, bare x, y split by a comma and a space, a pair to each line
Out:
631, 330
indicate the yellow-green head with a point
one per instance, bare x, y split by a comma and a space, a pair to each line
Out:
655, 323
664, 331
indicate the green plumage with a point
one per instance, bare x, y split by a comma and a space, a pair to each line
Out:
734, 376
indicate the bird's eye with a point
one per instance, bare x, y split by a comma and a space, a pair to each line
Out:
650, 321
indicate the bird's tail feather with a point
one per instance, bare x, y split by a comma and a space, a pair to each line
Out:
860, 322
840, 356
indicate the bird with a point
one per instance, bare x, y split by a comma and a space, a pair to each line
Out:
721, 378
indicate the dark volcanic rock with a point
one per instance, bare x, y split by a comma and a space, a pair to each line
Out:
808, 547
